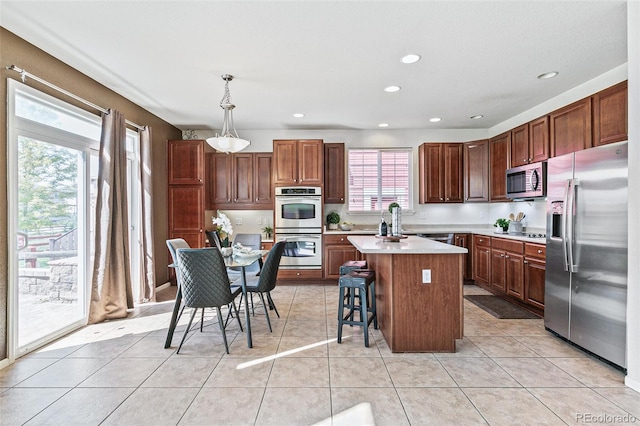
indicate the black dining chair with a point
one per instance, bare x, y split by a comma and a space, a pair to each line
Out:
254, 242
205, 284
214, 239
264, 283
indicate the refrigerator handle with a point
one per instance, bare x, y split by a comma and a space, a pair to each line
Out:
571, 221
569, 211
565, 208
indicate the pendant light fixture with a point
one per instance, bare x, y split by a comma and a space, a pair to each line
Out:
228, 140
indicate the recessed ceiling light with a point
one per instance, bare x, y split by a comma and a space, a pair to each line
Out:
298, 115
383, 125
435, 119
476, 117
410, 59
392, 89
546, 75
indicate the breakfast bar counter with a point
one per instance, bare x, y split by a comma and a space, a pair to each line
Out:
416, 316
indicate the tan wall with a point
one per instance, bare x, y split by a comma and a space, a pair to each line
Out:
16, 51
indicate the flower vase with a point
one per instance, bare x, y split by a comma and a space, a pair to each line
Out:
226, 251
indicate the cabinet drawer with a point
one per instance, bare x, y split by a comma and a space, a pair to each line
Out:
336, 240
481, 241
535, 250
507, 245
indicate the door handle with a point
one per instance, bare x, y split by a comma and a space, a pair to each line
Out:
565, 207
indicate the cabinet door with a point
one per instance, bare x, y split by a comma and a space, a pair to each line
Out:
476, 171
520, 146
499, 160
462, 240
481, 264
335, 256
310, 162
219, 169
571, 128
185, 162
431, 188
610, 115
452, 177
285, 164
242, 178
262, 180
514, 275
186, 213
534, 276
539, 139
498, 265
334, 173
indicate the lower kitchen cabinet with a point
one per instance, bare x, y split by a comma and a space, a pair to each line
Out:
337, 250
511, 269
534, 274
462, 240
507, 273
481, 259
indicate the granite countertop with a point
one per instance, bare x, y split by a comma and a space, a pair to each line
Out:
410, 245
437, 229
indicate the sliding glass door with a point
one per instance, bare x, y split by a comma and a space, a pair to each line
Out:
52, 256
52, 168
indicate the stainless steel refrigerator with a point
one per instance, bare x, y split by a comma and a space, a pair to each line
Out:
586, 271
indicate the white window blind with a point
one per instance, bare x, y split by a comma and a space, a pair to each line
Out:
378, 177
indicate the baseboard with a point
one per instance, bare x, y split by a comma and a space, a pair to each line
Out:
163, 286
4, 363
633, 384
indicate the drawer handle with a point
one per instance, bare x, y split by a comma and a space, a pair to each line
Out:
341, 239
526, 262
539, 251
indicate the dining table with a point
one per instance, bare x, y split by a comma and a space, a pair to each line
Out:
238, 261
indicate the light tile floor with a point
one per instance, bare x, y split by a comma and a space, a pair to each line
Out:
504, 372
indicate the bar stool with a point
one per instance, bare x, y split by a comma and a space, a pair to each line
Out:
362, 281
348, 266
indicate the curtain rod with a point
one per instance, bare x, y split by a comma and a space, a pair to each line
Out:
24, 74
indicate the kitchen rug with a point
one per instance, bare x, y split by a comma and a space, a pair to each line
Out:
499, 307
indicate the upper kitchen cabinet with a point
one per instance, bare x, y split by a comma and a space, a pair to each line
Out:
520, 145
334, 173
530, 142
570, 129
499, 163
238, 181
476, 171
185, 162
440, 177
538, 140
263, 180
298, 162
610, 115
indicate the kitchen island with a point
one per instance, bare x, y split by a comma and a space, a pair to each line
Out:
415, 316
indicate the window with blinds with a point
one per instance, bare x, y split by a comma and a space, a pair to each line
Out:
378, 177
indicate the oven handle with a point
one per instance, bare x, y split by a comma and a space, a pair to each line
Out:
297, 237
296, 199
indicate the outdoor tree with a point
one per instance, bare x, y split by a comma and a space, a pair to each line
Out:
47, 186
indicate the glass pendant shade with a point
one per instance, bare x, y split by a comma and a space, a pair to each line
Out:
228, 140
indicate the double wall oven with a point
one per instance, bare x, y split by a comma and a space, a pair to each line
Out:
298, 220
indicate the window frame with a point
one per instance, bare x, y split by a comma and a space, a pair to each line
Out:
410, 186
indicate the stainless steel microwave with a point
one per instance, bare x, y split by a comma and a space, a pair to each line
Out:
527, 182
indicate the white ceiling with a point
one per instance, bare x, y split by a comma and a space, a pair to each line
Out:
329, 59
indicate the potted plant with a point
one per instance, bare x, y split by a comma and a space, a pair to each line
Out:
392, 205
502, 224
268, 231
333, 219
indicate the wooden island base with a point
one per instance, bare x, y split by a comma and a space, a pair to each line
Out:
417, 317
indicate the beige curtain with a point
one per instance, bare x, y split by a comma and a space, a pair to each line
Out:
111, 294
147, 289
